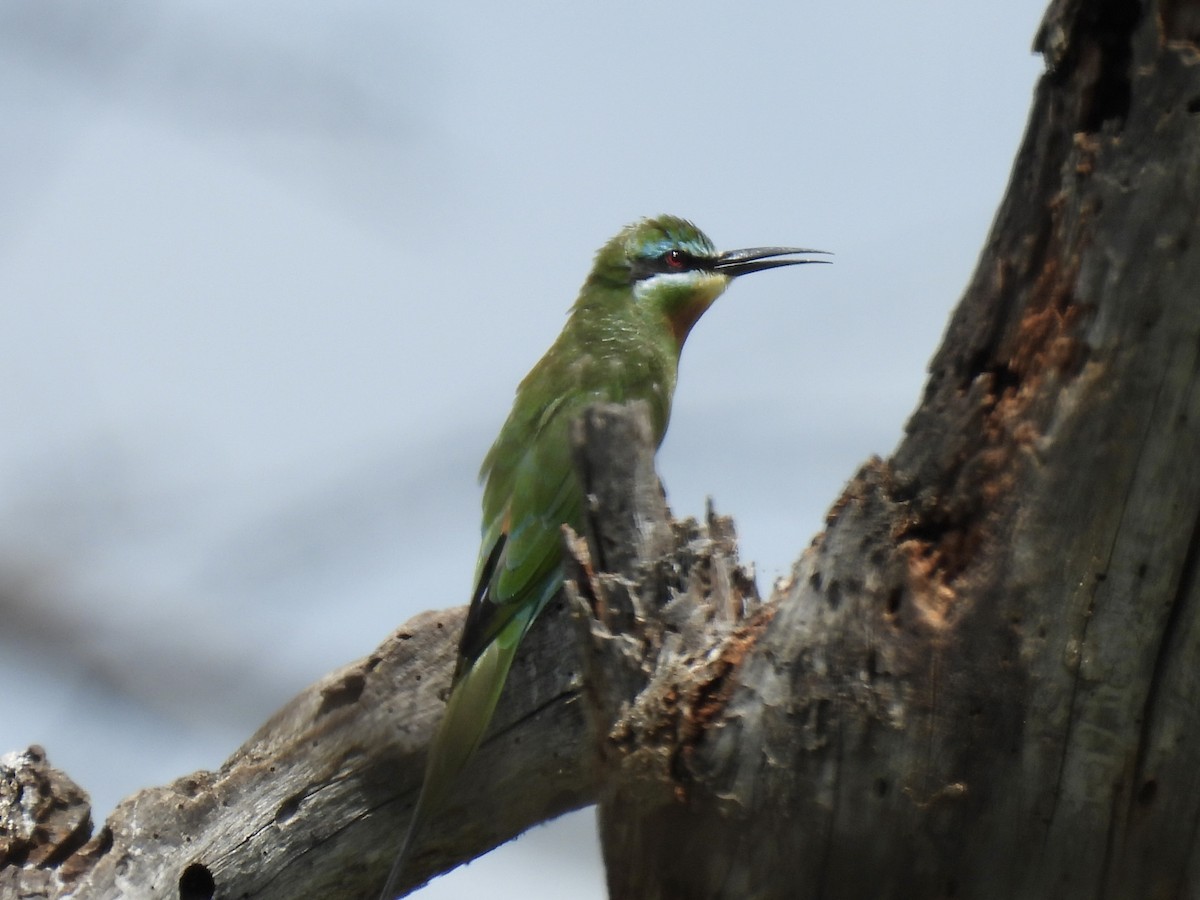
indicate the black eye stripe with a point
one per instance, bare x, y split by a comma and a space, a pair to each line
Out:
670, 261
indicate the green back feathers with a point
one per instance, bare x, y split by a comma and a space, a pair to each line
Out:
618, 345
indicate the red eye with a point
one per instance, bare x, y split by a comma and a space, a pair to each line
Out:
676, 259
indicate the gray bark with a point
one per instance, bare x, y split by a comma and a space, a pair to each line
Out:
315, 803
981, 680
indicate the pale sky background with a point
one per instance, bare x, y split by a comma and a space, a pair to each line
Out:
271, 272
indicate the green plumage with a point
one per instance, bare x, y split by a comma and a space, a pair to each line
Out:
622, 340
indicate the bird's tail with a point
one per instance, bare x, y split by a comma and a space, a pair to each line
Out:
469, 709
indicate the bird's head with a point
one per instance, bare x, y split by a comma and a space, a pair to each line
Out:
670, 271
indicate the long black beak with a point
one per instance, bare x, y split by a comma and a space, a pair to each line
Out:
738, 262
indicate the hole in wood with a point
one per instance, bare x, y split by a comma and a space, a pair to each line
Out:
196, 883
1147, 791
893, 601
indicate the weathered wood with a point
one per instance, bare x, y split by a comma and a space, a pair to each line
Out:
315, 803
665, 626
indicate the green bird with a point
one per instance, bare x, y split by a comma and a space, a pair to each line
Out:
648, 287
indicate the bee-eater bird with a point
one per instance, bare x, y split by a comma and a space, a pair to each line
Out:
622, 340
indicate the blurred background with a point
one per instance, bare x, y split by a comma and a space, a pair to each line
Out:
270, 273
